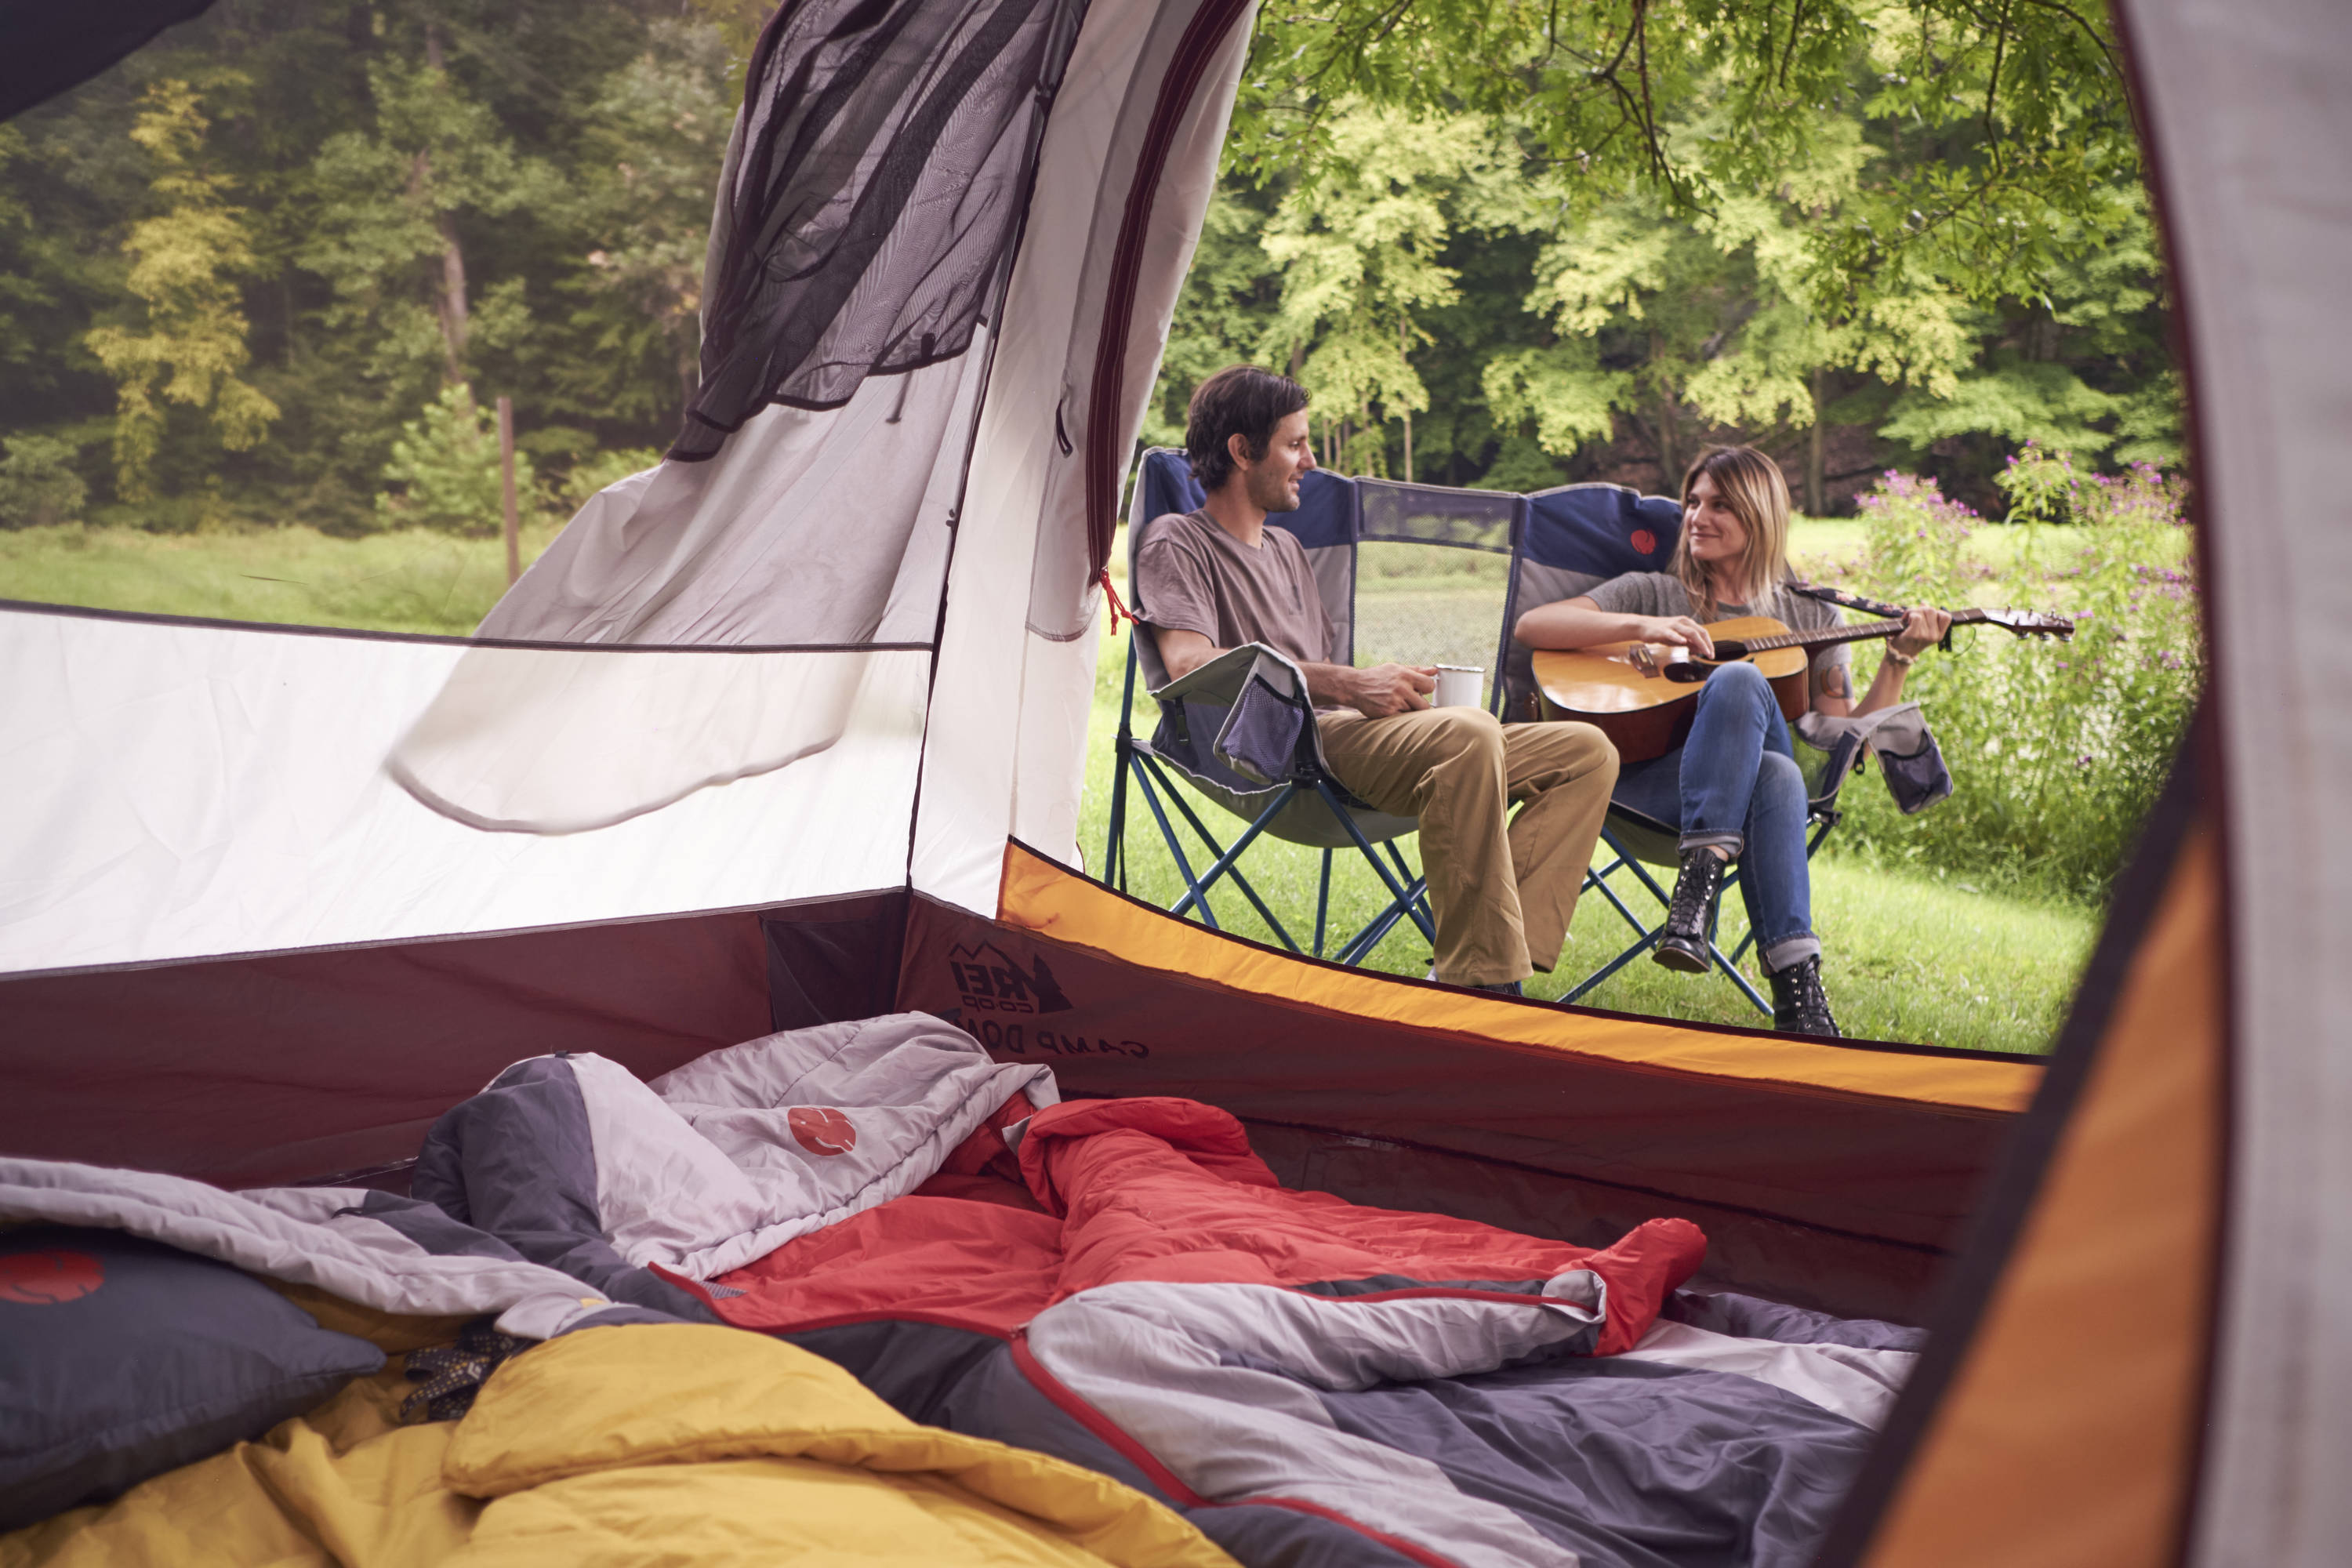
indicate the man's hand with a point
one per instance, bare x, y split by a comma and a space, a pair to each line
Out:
1387, 690
1679, 631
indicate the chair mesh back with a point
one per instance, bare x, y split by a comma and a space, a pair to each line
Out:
1325, 524
1577, 538
1432, 574
1424, 574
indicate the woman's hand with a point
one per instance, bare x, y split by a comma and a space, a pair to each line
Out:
1923, 628
1680, 631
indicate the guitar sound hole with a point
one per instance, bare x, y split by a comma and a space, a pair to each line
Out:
1688, 672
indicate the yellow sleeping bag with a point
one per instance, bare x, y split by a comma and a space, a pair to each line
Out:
671, 1444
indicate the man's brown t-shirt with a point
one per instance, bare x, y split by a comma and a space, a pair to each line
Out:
1192, 576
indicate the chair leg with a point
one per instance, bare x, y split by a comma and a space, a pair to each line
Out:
1648, 940
1167, 832
1322, 902
1123, 758
1648, 936
1731, 969
1225, 863
1377, 933
1422, 914
1403, 896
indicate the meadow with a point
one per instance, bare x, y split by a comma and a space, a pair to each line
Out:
409, 580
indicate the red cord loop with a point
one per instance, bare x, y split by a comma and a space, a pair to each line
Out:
1112, 601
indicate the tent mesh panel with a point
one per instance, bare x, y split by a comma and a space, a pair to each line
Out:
1432, 571
880, 167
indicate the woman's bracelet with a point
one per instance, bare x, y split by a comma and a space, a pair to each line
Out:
1897, 657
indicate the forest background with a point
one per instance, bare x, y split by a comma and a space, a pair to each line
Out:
274, 269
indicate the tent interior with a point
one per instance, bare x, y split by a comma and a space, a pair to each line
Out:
704, 944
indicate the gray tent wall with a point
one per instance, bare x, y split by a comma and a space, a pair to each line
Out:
2247, 111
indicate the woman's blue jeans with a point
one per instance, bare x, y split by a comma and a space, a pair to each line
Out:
1735, 781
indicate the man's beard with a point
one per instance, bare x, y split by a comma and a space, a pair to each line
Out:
1271, 494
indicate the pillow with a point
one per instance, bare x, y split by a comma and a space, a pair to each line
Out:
120, 1359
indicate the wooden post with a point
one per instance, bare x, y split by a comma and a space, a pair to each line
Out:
507, 490
1815, 440
1402, 346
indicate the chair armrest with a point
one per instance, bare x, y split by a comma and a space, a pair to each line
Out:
1257, 700
1224, 678
1908, 757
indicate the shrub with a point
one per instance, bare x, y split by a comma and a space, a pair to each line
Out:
38, 486
2057, 750
447, 462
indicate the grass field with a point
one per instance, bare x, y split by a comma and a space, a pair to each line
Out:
1909, 958
411, 581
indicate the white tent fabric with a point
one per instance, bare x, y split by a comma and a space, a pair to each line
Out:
2249, 112
827, 527
1006, 750
185, 791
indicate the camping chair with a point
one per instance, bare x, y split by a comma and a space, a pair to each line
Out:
1240, 730
1576, 538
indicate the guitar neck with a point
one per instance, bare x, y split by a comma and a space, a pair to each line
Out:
1826, 636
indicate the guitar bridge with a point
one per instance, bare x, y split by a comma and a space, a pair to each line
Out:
1644, 658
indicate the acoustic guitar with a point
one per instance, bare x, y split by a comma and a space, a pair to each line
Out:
1643, 694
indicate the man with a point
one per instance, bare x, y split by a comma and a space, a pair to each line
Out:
1220, 578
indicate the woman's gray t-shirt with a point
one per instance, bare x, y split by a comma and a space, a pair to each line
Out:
1662, 593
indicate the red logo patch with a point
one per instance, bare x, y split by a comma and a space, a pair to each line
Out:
46, 1279
820, 1131
1644, 540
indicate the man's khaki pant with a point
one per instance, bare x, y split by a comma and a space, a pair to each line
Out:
1503, 896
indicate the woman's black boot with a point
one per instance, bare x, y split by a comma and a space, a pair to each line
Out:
1800, 1006
1690, 916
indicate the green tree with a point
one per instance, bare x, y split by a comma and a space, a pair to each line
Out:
445, 462
657, 135
1360, 252
1769, 216
38, 486
184, 262
383, 228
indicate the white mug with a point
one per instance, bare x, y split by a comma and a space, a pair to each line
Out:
1459, 686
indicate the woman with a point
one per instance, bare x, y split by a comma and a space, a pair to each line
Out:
1733, 787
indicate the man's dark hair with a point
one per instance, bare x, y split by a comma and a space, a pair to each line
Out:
1240, 400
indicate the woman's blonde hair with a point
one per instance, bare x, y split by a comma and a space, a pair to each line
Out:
1751, 485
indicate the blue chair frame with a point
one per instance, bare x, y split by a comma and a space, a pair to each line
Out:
1577, 537
1293, 796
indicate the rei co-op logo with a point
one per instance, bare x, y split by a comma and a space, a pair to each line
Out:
1005, 1002
989, 982
46, 1279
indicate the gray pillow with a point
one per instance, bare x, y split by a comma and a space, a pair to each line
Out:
120, 1359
